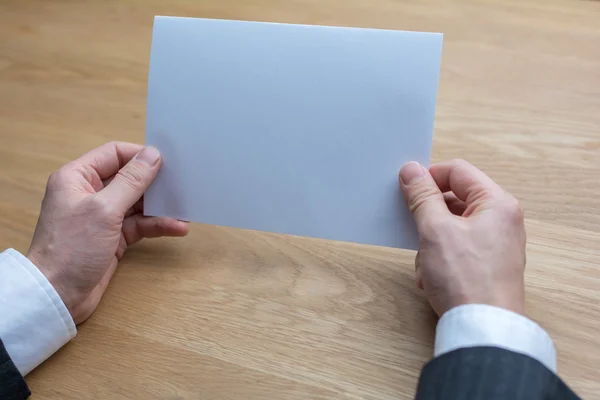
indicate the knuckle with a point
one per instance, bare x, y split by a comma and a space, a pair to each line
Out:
512, 209
133, 175
159, 224
460, 163
56, 179
420, 197
111, 146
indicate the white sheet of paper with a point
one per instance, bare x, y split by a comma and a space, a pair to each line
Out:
292, 129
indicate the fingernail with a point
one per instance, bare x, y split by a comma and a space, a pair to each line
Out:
411, 172
149, 155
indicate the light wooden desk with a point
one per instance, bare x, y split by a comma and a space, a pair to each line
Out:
229, 314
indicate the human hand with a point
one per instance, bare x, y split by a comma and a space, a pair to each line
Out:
472, 237
91, 212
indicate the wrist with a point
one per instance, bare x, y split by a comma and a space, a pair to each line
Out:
53, 275
510, 299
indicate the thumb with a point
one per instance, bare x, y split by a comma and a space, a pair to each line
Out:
130, 183
422, 195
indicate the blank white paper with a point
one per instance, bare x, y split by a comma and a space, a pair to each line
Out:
293, 129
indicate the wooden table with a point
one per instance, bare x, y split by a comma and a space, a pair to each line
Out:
231, 314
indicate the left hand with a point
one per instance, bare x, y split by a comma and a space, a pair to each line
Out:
91, 212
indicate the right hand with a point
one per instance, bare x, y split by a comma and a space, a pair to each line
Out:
472, 237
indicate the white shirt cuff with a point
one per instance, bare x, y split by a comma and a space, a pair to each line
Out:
35, 323
474, 325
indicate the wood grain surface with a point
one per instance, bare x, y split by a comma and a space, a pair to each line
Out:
233, 314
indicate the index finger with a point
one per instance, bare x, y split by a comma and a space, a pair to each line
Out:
464, 179
109, 158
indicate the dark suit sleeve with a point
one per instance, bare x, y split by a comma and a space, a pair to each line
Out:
12, 384
489, 373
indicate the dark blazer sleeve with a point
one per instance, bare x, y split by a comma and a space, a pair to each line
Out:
12, 384
489, 373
